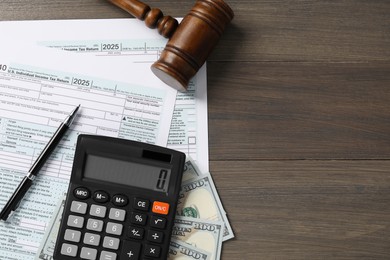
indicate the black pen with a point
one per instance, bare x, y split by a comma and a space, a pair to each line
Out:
27, 181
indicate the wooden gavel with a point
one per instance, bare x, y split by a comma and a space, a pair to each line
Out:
190, 43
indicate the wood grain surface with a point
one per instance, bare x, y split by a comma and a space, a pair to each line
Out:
299, 122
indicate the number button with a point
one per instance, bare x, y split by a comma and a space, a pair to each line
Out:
91, 239
114, 228
95, 225
69, 250
141, 204
138, 218
111, 243
72, 235
78, 207
98, 211
117, 214
75, 221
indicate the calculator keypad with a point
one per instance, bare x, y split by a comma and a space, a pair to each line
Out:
102, 229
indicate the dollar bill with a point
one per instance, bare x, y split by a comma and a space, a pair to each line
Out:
191, 170
46, 248
179, 250
199, 199
203, 234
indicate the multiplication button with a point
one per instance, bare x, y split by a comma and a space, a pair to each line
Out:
152, 251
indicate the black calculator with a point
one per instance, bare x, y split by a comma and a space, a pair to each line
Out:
121, 200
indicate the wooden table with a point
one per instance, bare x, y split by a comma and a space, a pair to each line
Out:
299, 122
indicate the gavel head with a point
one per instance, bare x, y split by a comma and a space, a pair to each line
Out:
192, 42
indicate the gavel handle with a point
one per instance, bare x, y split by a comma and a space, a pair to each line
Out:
153, 17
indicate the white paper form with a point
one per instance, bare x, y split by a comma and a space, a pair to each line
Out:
132, 39
38, 88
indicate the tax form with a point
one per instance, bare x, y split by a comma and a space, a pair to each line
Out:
128, 38
38, 89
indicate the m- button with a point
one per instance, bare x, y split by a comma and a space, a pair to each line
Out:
141, 204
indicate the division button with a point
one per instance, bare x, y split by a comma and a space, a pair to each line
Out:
155, 236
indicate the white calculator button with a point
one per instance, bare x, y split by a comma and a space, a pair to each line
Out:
72, 235
117, 214
98, 211
75, 221
111, 243
78, 207
69, 250
105, 255
95, 225
114, 228
91, 239
88, 253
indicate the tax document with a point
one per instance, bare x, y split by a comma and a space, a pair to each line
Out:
128, 38
39, 87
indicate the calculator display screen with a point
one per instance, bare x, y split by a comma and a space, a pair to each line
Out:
127, 173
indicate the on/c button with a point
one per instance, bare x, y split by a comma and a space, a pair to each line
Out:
160, 207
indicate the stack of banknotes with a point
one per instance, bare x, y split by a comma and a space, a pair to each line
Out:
201, 224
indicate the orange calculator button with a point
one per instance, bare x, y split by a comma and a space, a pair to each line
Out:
160, 207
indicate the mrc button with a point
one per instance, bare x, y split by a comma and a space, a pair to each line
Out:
81, 193
160, 207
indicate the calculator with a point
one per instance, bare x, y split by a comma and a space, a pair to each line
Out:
121, 200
